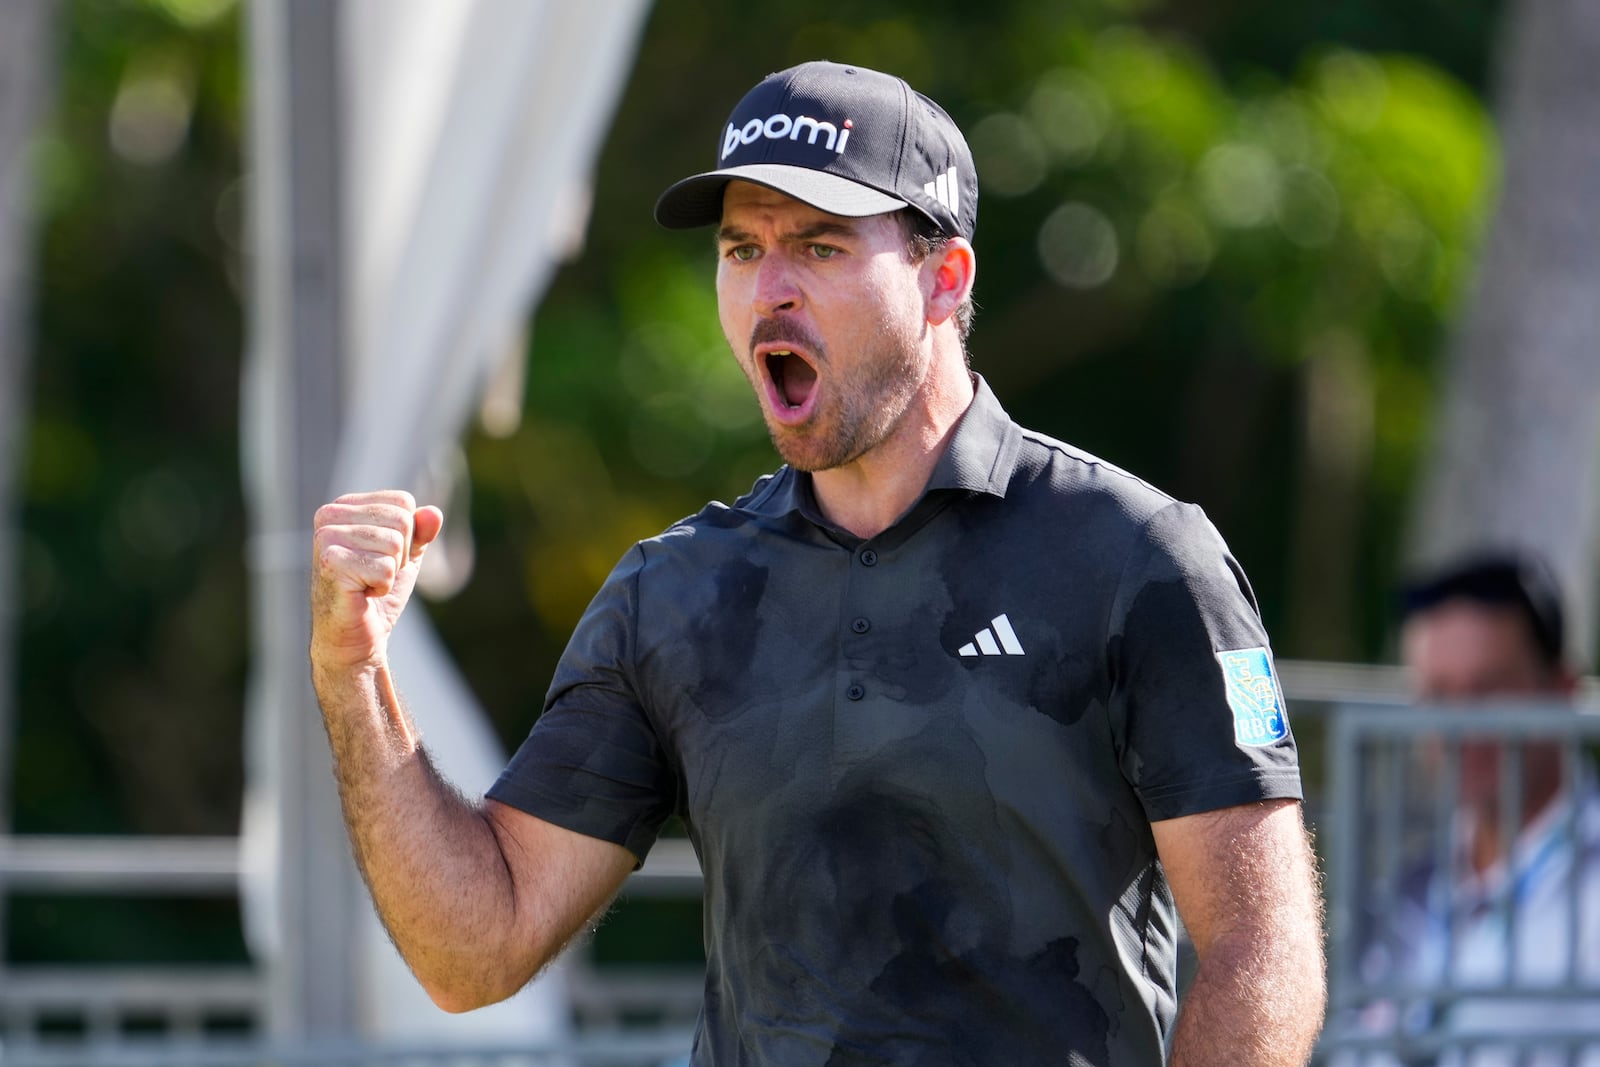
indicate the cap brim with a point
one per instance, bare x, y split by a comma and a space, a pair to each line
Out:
697, 200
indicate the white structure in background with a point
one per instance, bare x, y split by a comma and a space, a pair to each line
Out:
1516, 455
419, 167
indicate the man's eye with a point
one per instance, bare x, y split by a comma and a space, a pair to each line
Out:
823, 251
743, 253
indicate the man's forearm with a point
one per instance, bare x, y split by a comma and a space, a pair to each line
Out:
1245, 882
430, 858
1253, 1003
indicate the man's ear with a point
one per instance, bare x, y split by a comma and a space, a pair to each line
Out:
950, 272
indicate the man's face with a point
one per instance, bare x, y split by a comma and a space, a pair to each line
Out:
1462, 651
827, 318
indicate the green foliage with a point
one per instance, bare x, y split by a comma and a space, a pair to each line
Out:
133, 622
121, 931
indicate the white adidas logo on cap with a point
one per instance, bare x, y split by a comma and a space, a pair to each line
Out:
946, 189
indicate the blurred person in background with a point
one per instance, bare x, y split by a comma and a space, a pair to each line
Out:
1513, 914
1489, 628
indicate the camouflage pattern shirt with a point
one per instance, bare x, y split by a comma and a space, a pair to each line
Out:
920, 770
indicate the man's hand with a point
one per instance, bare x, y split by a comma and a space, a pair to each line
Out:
367, 550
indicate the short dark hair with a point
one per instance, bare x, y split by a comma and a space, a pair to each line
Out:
1503, 578
924, 238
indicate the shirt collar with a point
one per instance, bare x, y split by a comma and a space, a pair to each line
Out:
980, 458
982, 453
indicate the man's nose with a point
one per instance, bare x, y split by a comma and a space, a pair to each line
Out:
776, 285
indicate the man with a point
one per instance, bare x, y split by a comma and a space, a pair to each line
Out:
1489, 628
1517, 910
955, 713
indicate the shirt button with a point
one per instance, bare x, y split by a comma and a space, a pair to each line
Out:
855, 692
861, 626
869, 558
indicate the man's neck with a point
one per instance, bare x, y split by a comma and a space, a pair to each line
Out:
1542, 784
867, 495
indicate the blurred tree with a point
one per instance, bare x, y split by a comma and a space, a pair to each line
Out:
1519, 445
131, 638
26, 70
132, 635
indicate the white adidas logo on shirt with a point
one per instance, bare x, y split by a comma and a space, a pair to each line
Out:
984, 644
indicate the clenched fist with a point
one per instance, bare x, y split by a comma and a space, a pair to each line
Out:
367, 550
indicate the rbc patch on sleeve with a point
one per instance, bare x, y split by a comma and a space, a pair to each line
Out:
1259, 714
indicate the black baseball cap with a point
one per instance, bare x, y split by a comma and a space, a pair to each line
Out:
1508, 577
846, 140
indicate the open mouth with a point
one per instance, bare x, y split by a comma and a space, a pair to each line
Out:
794, 379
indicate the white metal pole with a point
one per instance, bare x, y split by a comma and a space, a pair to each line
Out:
296, 343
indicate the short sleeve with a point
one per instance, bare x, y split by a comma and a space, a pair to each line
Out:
1196, 708
593, 763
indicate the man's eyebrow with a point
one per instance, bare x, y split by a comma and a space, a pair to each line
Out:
825, 228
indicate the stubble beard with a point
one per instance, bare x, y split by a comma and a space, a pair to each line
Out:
855, 416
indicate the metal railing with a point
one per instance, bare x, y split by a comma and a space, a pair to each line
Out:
1378, 776
1463, 885
587, 1050
52, 1016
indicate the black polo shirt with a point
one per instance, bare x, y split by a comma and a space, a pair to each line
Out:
920, 770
